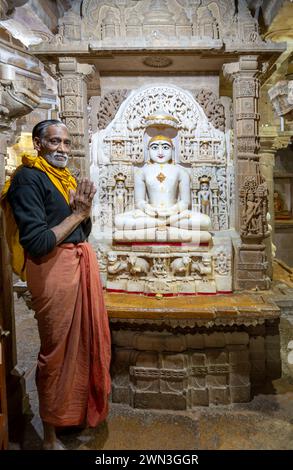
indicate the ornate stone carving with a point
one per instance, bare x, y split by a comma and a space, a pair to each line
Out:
202, 265
168, 269
119, 150
20, 94
72, 78
252, 191
116, 265
157, 61
138, 266
279, 95
158, 20
180, 266
222, 262
254, 203
220, 180
213, 109
109, 105
123, 140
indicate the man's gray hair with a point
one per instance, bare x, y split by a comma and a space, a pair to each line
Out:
40, 129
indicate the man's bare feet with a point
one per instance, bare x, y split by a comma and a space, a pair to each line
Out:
50, 440
55, 445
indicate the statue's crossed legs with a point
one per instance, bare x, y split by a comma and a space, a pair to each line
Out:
182, 227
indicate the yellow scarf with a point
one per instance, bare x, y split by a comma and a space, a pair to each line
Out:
62, 180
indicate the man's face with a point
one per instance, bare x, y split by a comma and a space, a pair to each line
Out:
54, 145
160, 151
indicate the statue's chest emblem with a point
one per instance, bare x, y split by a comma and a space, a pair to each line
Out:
161, 177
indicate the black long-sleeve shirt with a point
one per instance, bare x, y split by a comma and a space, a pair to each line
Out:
38, 206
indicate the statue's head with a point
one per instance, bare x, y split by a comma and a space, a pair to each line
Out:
204, 183
112, 257
250, 196
120, 180
160, 149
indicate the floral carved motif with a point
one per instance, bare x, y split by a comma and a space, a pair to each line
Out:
109, 106
213, 109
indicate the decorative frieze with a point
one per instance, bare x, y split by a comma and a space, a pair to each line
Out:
120, 21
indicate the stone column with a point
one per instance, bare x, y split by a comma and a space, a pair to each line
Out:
267, 163
72, 88
19, 95
250, 186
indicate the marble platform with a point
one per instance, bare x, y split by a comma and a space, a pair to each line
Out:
187, 351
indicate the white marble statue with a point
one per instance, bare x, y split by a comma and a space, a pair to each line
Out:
162, 199
205, 196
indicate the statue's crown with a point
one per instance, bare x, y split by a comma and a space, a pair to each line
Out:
120, 177
204, 179
160, 137
161, 121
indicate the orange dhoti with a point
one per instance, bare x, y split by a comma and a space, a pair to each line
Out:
72, 376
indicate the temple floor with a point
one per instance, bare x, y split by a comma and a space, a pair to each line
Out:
264, 423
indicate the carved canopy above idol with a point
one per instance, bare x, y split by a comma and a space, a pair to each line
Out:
165, 181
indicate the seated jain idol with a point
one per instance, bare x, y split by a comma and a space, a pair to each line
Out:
162, 197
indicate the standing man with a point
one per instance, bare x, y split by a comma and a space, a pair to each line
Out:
52, 217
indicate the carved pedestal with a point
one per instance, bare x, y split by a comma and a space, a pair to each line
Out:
171, 268
191, 351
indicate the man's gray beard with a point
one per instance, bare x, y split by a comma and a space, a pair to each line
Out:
51, 158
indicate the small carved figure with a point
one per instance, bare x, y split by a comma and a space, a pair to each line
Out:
205, 196
252, 213
119, 149
180, 265
120, 194
115, 265
202, 266
205, 148
222, 263
138, 265
159, 268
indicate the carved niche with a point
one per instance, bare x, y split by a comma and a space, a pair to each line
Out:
117, 150
200, 147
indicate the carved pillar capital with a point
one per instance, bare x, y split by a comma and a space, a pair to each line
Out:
73, 79
244, 75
